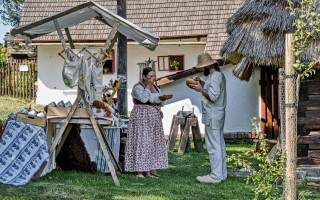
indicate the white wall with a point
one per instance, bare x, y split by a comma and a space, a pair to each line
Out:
243, 97
242, 101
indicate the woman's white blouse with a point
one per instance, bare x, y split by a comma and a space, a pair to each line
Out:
144, 95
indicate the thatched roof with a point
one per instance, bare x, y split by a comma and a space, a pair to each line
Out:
257, 36
166, 18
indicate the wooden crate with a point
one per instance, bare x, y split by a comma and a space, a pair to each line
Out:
56, 112
37, 121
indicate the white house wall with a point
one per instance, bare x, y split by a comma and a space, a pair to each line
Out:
243, 97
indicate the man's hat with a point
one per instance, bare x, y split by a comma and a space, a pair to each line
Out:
204, 60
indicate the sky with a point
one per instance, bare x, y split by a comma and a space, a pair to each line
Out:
3, 30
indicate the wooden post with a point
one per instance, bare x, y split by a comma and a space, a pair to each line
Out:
122, 61
291, 144
69, 38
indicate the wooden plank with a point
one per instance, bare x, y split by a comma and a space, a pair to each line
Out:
122, 60
34, 78
184, 138
197, 138
308, 139
24, 83
314, 147
39, 172
115, 89
37, 121
313, 103
269, 104
56, 112
80, 121
31, 80
9, 81
312, 113
111, 39
58, 29
314, 154
61, 131
64, 126
28, 80
263, 102
173, 133
101, 141
63, 139
314, 88
276, 116
170, 133
193, 121
5, 80
69, 38
308, 161
21, 84
309, 121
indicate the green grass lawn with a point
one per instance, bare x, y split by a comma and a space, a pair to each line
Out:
176, 182
12, 105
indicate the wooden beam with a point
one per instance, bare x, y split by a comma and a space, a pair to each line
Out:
291, 126
69, 38
101, 141
115, 89
57, 26
112, 38
122, 61
64, 126
63, 139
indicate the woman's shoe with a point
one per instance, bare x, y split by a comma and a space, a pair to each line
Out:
152, 176
154, 173
139, 176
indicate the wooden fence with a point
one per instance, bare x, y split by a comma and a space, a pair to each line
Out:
17, 80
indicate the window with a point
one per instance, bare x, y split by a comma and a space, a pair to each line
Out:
109, 65
171, 63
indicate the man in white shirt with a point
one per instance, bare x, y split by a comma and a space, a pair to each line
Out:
214, 100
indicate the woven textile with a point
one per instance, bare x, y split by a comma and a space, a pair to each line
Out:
93, 147
23, 149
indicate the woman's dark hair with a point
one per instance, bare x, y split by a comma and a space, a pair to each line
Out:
146, 71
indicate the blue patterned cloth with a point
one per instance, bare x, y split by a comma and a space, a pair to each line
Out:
23, 149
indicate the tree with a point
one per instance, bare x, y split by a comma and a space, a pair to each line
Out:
10, 11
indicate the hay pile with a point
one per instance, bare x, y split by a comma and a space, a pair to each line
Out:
73, 154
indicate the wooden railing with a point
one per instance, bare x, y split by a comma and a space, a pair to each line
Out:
17, 80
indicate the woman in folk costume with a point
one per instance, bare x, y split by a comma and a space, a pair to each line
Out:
146, 146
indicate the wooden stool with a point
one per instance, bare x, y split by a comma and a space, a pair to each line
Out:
186, 123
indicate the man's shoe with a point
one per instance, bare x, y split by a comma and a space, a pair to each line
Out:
207, 179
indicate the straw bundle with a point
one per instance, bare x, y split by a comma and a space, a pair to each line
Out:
243, 70
257, 35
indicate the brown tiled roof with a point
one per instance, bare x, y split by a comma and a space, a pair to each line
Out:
166, 18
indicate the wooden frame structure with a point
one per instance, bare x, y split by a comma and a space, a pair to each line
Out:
65, 128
